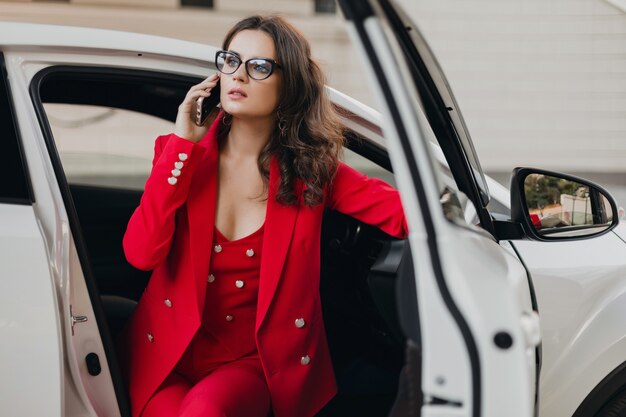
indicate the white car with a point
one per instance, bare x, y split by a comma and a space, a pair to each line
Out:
481, 312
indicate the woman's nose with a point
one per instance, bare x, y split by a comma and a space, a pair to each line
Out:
240, 74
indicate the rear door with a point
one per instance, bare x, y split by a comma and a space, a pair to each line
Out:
472, 294
30, 352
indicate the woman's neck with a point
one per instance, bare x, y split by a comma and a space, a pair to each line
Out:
247, 138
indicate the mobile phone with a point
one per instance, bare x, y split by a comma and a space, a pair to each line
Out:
204, 105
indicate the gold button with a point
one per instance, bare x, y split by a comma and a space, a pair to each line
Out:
300, 323
150, 338
217, 248
229, 318
250, 253
211, 277
239, 283
305, 360
167, 302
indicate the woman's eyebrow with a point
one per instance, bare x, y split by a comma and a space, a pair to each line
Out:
254, 57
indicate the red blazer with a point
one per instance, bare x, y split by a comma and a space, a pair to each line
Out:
171, 232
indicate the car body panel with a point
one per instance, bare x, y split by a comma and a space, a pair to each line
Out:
29, 318
462, 368
581, 292
38, 37
620, 230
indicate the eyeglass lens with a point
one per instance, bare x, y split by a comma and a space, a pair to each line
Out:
257, 68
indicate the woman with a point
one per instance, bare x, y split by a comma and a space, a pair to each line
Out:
230, 323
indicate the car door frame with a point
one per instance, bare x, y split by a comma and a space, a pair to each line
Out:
457, 146
31, 351
74, 222
362, 18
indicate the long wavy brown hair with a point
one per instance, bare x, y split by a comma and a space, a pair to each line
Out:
308, 136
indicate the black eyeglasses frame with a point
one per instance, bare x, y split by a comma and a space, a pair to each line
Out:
273, 63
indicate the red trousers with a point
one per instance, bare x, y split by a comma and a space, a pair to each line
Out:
235, 389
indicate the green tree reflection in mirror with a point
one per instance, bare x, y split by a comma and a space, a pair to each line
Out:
558, 203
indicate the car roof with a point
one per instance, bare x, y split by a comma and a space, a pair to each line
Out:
45, 35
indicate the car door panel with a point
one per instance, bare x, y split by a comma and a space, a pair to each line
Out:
31, 352
620, 230
579, 305
80, 390
465, 305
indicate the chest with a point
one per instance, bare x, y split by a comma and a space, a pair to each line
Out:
241, 200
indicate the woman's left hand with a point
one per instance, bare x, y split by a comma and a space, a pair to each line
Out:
185, 126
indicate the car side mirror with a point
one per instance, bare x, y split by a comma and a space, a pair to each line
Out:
554, 206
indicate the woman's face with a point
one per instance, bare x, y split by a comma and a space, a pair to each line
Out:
241, 95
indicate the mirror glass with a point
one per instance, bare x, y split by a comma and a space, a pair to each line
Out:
562, 207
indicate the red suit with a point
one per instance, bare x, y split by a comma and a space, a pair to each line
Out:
172, 232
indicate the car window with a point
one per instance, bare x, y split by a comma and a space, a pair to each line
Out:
112, 147
14, 187
104, 146
448, 184
418, 53
104, 121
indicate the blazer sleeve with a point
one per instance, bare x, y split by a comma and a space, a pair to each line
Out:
150, 229
369, 200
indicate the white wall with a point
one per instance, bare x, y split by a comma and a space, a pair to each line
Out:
540, 82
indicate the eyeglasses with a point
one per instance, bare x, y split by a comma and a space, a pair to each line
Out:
257, 68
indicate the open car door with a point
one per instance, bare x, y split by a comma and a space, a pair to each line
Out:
476, 322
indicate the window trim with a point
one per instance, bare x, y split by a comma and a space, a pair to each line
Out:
27, 196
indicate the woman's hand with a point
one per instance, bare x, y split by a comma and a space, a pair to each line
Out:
185, 126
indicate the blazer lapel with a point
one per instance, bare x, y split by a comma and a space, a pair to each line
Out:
201, 206
279, 224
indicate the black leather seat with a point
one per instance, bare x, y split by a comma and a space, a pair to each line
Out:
117, 310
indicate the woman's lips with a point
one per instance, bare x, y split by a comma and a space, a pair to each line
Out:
237, 93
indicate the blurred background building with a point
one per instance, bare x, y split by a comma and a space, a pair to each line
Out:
540, 82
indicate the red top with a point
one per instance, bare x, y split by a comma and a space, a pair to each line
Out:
227, 331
